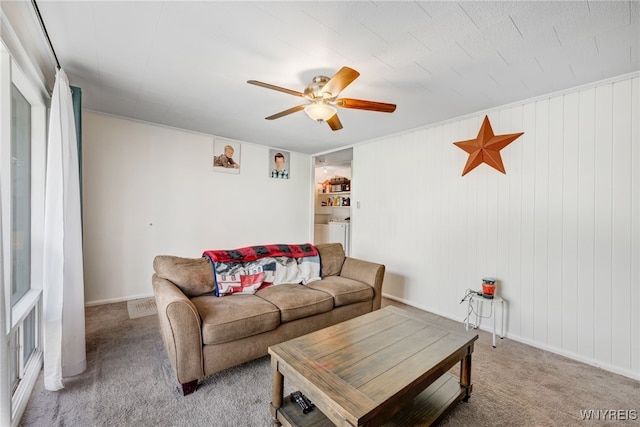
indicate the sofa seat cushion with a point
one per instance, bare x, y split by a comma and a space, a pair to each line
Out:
297, 301
234, 317
344, 291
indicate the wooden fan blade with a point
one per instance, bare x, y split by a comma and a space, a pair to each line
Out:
285, 112
334, 122
278, 88
340, 80
360, 104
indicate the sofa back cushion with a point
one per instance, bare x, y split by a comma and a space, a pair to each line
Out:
331, 258
194, 276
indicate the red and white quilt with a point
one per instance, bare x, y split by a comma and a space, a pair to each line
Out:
246, 270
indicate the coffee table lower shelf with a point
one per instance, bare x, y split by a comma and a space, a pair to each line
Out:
427, 408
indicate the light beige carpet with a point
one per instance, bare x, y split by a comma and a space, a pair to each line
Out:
129, 382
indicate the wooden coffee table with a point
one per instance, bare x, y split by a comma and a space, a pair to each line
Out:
386, 366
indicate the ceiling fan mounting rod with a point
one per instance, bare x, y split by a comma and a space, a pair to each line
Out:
314, 90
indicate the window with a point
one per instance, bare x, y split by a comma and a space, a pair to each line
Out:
20, 195
23, 115
20, 232
23, 344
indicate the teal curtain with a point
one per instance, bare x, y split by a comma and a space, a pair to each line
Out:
76, 98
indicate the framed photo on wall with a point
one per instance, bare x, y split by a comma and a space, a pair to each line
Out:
279, 164
226, 156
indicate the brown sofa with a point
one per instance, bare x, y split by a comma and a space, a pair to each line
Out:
204, 334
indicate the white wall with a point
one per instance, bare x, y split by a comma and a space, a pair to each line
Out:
151, 190
561, 230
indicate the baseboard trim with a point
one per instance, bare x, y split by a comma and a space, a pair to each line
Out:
568, 354
114, 300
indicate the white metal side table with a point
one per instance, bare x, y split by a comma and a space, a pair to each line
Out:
492, 302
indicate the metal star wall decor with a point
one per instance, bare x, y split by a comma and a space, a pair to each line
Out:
485, 148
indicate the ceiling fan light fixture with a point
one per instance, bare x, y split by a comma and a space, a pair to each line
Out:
320, 112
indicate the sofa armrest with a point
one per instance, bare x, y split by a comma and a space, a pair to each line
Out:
367, 272
181, 330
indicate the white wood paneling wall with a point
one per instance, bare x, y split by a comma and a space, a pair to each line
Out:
561, 230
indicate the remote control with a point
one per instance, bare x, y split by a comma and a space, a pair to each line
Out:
309, 402
298, 398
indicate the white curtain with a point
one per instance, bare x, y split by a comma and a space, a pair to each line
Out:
63, 287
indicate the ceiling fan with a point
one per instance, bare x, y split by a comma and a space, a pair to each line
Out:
322, 94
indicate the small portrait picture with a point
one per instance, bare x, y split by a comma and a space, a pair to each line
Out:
226, 156
279, 164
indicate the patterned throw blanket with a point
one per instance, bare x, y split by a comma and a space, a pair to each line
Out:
246, 270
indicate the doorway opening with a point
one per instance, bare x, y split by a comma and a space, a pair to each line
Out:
332, 198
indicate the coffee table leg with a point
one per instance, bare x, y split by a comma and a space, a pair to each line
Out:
465, 373
277, 392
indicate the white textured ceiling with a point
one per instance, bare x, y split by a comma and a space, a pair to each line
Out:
185, 64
